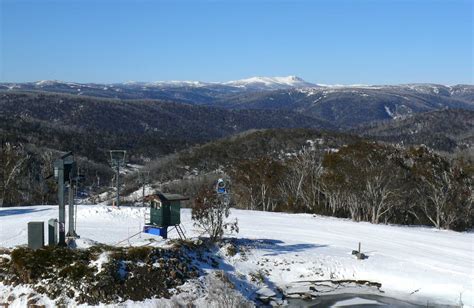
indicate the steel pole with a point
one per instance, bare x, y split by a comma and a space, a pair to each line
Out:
62, 208
71, 231
118, 184
143, 192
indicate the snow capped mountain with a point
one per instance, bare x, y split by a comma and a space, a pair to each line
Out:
252, 83
178, 83
169, 83
270, 83
242, 85
428, 88
47, 83
342, 86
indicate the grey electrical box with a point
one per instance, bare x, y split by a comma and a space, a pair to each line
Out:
52, 232
35, 234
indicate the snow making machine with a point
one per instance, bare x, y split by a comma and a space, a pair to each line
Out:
164, 212
221, 187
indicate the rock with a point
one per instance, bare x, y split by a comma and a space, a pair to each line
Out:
359, 255
32, 302
306, 296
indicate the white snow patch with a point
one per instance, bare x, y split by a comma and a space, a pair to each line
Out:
387, 110
270, 82
103, 259
179, 83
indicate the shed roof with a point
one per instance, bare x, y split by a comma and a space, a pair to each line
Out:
165, 197
172, 197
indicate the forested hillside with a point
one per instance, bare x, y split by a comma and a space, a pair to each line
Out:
36, 127
275, 160
330, 174
343, 106
224, 153
347, 107
91, 126
444, 130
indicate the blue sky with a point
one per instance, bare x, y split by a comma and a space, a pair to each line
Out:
333, 41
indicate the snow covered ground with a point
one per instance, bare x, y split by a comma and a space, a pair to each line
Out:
415, 263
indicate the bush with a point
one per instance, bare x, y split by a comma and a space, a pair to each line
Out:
209, 213
138, 253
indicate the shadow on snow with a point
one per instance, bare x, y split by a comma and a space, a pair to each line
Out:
17, 211
275, 247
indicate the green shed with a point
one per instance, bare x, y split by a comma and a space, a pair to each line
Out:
165, 209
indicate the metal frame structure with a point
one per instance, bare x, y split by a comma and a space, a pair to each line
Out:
117, 159
65, 171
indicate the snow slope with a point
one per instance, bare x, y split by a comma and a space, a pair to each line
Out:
416, 263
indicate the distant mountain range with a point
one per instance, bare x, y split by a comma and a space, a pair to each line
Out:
164, 119
91, 126
342, 106
248, 84
347, 107
253, 83
183, 126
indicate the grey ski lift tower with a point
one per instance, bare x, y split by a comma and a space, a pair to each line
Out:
65, 172
144, 177
117, 159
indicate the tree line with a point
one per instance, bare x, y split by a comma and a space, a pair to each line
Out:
364, 181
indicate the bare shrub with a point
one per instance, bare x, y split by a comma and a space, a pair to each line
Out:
222, 293
210, 212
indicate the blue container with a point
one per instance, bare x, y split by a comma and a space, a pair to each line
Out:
163, 231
